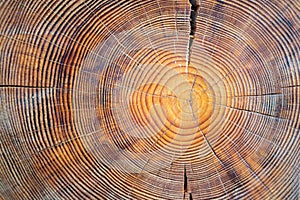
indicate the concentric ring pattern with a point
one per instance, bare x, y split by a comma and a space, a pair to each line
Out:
110, 100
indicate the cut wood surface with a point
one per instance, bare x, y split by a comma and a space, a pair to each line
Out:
149, 99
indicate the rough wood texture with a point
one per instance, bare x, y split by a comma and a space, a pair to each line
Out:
128, 99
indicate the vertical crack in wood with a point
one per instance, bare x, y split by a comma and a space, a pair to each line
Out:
187, 189
193, 18
184, 182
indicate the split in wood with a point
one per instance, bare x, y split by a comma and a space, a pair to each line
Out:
193, 18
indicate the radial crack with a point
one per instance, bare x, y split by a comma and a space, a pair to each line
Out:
184, 183
247, 164
186, 186
195, 119
193, 18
